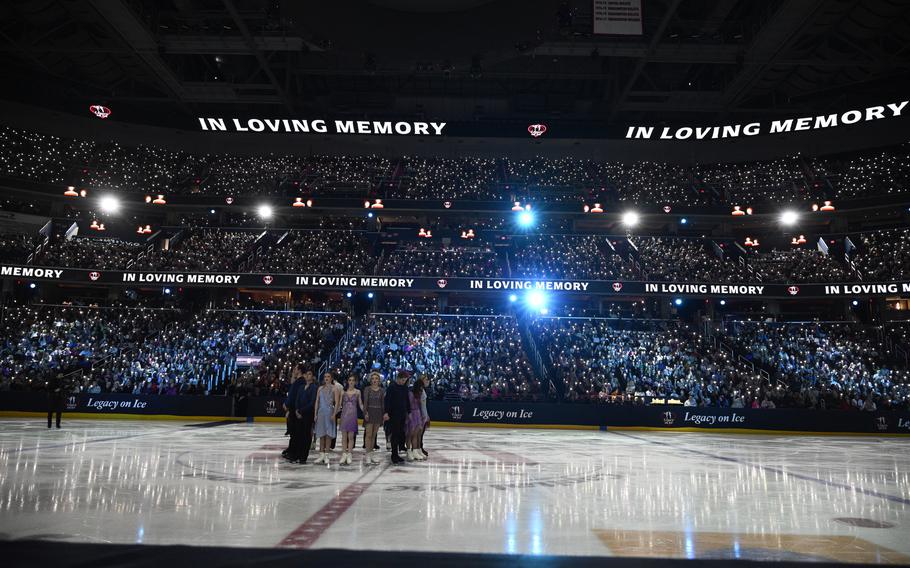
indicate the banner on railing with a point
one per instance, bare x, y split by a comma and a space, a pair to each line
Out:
391, 283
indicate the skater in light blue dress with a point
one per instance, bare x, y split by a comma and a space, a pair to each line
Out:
327, 401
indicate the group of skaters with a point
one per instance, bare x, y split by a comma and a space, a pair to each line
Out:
317, 413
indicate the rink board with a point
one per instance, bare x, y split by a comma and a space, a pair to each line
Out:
487, 414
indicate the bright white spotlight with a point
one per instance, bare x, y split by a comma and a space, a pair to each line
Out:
525, 218
630, 218
536, 299
513, 298
265, 211
109, 204
789, 217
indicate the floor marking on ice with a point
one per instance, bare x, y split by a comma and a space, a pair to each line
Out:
309, 532
869, 492
213, 424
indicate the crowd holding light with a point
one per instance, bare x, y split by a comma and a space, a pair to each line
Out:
51, 159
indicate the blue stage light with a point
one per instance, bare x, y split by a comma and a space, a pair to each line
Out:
525, 218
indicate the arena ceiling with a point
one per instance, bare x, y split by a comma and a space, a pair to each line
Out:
469, 60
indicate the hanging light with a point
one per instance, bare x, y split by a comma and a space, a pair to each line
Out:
309, 202
148, 198
597, 208
94, 224
70, 191
298, 202
737, 211
801, 240
377, 204
140, 230
83, 193
748, 210
586, 209
827, 206
159, 200
517, 206
422, 232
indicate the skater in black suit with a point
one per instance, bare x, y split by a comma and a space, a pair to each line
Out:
396, 412
56, 398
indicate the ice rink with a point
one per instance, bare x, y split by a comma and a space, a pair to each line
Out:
487, 490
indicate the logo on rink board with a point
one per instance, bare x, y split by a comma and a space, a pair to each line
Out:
455, 412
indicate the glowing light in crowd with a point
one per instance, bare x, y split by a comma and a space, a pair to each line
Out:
789, 217
536, 300
630, 218
109, 204
265, 211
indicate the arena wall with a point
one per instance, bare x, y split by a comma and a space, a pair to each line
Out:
488, 414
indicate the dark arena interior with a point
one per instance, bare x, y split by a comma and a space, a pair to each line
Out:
454, 283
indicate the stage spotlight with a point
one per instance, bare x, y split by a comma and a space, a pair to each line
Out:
513, 297
109, 204
630, 218
536, 299
167, 291
348, 295
855, 303
525, 218
264, 211
678, 301
723, 302
212, 211
789, 217
370, 295
683, 221
32, 285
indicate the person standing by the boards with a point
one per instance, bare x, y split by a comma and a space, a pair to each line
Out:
56, 396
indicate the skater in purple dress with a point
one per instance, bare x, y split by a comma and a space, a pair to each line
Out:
415, 422
350, 402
